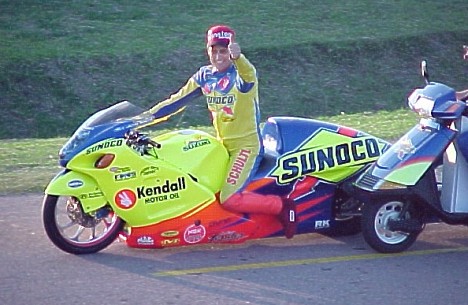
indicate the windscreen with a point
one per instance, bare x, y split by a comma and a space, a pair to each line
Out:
120, 110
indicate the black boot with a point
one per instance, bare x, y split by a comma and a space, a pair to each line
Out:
287, 217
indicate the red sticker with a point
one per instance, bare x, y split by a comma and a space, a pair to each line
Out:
125, 199
194, 234
223, 83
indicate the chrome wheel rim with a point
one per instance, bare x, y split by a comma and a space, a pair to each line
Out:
390, 210
79, 228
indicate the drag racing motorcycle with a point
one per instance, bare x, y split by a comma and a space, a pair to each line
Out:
161, 191
422, 177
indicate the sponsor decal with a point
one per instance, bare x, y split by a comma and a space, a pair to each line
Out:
167, 191
229, 236
125, 176
404, 147
238, 166
219, 35
194, 234
75, 183
194, 144
162, 198
315, 157
170, 242
125, 199
221, 100
91, 195
145, 240
167, 187
220, 223
322, 224
223, 83
106, 144
116, 170
150, 170
171, 233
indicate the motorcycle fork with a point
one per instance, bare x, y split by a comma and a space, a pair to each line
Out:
404, 209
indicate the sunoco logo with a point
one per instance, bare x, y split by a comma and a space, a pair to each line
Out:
315, 157
107, 144
220, 100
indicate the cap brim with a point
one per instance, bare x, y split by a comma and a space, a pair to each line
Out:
218, 42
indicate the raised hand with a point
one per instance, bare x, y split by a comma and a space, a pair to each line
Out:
234, 49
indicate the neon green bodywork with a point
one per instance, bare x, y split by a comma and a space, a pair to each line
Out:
88, 192
181, 176
409, 174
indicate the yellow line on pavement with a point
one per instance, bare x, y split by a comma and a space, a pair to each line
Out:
309, 261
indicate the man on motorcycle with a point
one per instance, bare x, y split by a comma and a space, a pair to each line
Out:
463, 95
230, 86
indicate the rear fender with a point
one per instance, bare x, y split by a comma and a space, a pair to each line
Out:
79, 185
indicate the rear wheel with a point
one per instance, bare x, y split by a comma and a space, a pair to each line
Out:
376, 218
76, 232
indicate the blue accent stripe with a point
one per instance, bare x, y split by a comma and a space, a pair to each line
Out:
245, 87
177, 105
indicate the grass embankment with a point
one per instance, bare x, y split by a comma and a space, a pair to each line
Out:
62, 61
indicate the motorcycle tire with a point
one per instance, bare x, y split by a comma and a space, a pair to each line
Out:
375, 217
75, 232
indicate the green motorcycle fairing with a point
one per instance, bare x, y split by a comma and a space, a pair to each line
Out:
79, 185
145, 189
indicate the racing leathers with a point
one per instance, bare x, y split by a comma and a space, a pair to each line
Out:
232, 99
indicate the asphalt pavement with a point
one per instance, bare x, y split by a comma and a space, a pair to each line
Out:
308, 269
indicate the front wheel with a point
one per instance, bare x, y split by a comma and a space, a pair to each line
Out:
76, 232
376, 231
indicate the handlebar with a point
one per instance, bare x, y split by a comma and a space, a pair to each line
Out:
140, 141
153, 143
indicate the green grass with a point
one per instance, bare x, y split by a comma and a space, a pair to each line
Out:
63, 60
90, 28
27, 164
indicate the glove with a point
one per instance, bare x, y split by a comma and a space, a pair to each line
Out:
234, 50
